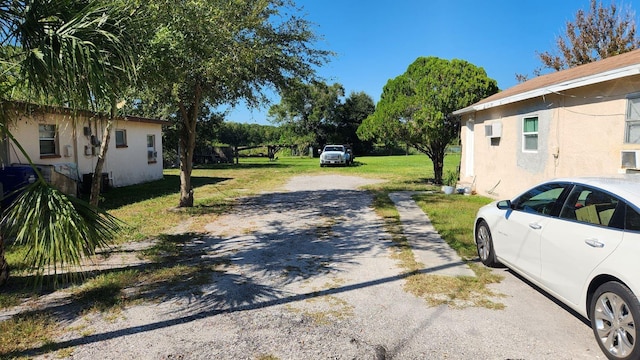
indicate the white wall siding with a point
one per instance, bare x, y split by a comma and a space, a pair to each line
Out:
125, 165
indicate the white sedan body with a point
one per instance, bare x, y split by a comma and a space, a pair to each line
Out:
563, 255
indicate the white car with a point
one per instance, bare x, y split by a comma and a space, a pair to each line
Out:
335, 155
579, 240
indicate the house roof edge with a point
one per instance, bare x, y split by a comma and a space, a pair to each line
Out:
616, 67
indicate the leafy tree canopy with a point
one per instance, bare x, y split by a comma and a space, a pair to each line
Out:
593, 35
356, 107
316, 113
306, 111
416, 106
213, 52
239, 134
73, 53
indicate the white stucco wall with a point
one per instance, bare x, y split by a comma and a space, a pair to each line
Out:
124, 165
580, 133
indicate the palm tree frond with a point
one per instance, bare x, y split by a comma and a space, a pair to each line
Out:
58, 230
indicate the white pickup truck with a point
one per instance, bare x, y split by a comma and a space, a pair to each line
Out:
336, 155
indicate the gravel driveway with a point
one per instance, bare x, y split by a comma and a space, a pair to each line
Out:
308, 275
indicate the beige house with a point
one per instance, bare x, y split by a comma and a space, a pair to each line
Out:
65, 144
578, 122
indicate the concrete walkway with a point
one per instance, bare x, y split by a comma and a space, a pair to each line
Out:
428, 247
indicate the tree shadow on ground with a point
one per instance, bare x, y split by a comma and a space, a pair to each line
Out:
282, 239
118, 197
264, 299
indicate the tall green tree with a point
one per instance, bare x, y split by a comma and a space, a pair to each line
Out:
595, 34
307, 112
57, 52
214, 52
416, 106
356, 107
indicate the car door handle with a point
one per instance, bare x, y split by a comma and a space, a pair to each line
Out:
594, 243
535, 226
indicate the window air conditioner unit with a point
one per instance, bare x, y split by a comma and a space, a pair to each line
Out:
493, 130
630, 159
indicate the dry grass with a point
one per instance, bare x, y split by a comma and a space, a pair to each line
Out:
457, 292
26, 330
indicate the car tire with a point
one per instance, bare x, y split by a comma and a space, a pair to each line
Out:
614, 309
484, 244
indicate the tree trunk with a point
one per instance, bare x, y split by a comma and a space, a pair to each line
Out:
186, 191
96, 181
438, 164
4, 267
237, 155
187, 146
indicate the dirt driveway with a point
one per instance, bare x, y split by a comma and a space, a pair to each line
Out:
307, 274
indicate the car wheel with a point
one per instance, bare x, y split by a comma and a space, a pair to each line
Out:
484, 244
614, 311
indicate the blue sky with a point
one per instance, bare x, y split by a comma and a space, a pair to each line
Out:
377, 40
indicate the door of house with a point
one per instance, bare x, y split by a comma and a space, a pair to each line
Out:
468, 149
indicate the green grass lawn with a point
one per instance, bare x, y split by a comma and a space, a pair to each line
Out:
149, 210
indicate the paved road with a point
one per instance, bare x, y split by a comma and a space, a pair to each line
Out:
307, 273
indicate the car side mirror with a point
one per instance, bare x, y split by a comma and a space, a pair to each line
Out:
504, 204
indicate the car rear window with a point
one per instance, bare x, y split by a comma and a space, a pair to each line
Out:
593, 206
632, 219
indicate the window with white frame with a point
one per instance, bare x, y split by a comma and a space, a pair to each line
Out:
530, 134
152, 154
48, 134
632, 123
121, 138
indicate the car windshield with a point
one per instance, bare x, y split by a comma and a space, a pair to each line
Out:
333, 148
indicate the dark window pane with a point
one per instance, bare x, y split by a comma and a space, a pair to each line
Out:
593, 206
541, 199
632, 219
121, 138
47, 147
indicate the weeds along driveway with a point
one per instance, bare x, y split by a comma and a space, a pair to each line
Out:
307, 273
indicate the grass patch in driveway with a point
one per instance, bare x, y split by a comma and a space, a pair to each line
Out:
453, 216
457, 292
26, 331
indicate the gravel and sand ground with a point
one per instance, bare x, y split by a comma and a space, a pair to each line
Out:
308, 274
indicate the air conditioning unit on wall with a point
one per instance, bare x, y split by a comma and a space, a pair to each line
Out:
630, 159
493, 130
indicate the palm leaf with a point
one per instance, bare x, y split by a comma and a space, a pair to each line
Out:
58, 230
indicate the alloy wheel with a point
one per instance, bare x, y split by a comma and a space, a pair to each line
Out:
614, 325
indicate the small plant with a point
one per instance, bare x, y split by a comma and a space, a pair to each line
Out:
451, 178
